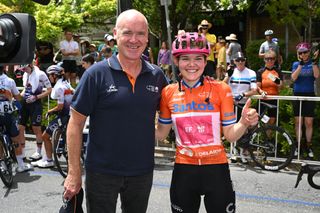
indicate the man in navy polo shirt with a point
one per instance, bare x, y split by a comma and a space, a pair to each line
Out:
121, 96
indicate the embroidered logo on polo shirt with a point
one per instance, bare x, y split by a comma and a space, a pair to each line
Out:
112, 88
152, 88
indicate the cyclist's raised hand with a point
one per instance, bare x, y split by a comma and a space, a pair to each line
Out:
249, 116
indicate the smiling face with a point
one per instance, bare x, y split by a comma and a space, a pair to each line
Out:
131, 33
304, 55
191, 67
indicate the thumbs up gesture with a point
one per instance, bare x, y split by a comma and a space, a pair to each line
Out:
249, 116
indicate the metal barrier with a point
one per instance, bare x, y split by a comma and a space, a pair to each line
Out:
166, 148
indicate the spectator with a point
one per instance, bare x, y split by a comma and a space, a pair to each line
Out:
108, 52
87, 61
82, 51
271, 44
164, 58
199, 114
221, 59
70, 50
234, 47
269, 82
34, 81
210, 69
45, 54
148, 55
242, 81
112, 93
304, 73
93, 51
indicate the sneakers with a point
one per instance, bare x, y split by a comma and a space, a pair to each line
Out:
24, 168
43, 163
310, 153
35, 156
296, 152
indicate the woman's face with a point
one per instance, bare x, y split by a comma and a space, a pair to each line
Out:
269, 60
191, 67
304, 55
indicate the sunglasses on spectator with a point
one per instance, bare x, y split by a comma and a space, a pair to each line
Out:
240, 60
269, 59
304, 52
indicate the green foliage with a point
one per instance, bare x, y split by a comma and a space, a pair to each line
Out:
252, 55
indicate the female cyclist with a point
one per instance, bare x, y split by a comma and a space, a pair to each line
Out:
198, 107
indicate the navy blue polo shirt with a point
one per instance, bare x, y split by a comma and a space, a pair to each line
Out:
122, 128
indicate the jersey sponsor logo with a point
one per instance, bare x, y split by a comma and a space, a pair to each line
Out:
210, 153
152, 88
192, 106
228, 114
112, 88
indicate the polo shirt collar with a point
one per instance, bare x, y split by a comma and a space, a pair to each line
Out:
113, 62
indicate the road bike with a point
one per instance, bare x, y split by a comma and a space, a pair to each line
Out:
60, 151
270, 147
7, 157
313, 172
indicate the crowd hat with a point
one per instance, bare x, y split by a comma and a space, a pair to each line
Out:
268, 32
109, 38
232, 37
105, 36
240, 55
303, 46
205, 24
92, 45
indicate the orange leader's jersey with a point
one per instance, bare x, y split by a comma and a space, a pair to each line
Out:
197, 114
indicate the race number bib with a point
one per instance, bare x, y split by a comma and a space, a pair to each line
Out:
7, 107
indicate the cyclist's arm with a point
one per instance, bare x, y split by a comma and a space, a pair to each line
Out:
57, 108
73, 181
162, 131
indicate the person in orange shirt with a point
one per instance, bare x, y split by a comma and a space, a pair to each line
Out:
269, 82
199, 109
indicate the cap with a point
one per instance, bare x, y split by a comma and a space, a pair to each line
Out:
92, 45
232, 37
268, 32
240, 55
109, 38
105, 36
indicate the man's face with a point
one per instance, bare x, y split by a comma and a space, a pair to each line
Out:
68, 36
132, 37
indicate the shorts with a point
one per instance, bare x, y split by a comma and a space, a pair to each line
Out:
270, 112
11, 124
53, 125
32, 111
189, 182
308, 107
70, 66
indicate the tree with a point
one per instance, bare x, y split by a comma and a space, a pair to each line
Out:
295, 13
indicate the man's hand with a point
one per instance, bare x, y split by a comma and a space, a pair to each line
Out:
31, 99
249, 116
72, 186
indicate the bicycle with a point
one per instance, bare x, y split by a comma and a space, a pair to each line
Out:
7, 157
313, 172
60, 151
270, 147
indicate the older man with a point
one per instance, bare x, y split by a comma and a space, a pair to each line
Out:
121, 96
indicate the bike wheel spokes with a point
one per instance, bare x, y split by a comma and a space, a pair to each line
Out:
5, 165
271, 148
60, 152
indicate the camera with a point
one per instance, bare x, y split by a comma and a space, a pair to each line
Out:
17, 38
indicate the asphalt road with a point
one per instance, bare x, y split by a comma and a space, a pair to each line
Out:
257, 191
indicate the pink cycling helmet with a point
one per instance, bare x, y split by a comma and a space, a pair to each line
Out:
303, 46
190, 42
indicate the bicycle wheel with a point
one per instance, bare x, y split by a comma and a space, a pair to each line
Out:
271, 148
314, 179
5, 164
60, 153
